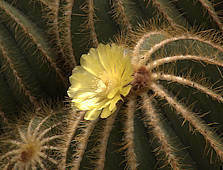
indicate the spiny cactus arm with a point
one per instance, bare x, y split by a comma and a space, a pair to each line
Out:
146, 43
209, 18
186, 81
57, 28
22, 72
195, 121
166, 145
13, 78
208, 60
132, 11
79, 34
129, 144
89, 9
81, 143
102, 148
129, 13
51, 11
25, 27
64, 25
213, 14
34, 144
170, 13
156, 47
73, 123
108, 29
20, 28
8, 104
120, 16
91, 19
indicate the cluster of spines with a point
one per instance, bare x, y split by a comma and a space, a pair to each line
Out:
33, 144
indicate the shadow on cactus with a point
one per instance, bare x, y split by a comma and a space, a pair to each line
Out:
175, 102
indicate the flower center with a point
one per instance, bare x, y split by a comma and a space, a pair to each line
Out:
29, 151
142, 79
107, 83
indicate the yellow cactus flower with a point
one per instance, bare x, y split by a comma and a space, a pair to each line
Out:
100, 82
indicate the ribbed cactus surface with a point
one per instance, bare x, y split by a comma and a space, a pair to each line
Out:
48, 37
171, 119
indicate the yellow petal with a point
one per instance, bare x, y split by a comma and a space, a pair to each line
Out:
114, 101
105, 113
83, 95
81, 80
110, 56
125, 90
103, 104
100, 81
127, 74
113, 92
92, 114
91, 63
91, 103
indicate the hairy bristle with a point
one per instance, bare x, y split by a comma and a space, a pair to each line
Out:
65, 32
19, 80
20, 24
166, 145
129, 144
89, 9
170, 13
199, 125
208, 6
186, 81
103, 141
148, 54
73, 123
31, 145
81, 143
206, 59
120, 15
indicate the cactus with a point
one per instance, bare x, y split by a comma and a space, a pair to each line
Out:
49, 37
163, 123
175, 80
33, 144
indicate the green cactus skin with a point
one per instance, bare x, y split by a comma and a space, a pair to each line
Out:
41, 41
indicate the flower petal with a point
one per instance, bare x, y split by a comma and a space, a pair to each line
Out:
114, 101
80, 96
126, 90
97, 85
106, 112
113, 92
111, 57
92, 114
87, 104
81, 80
91, 63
